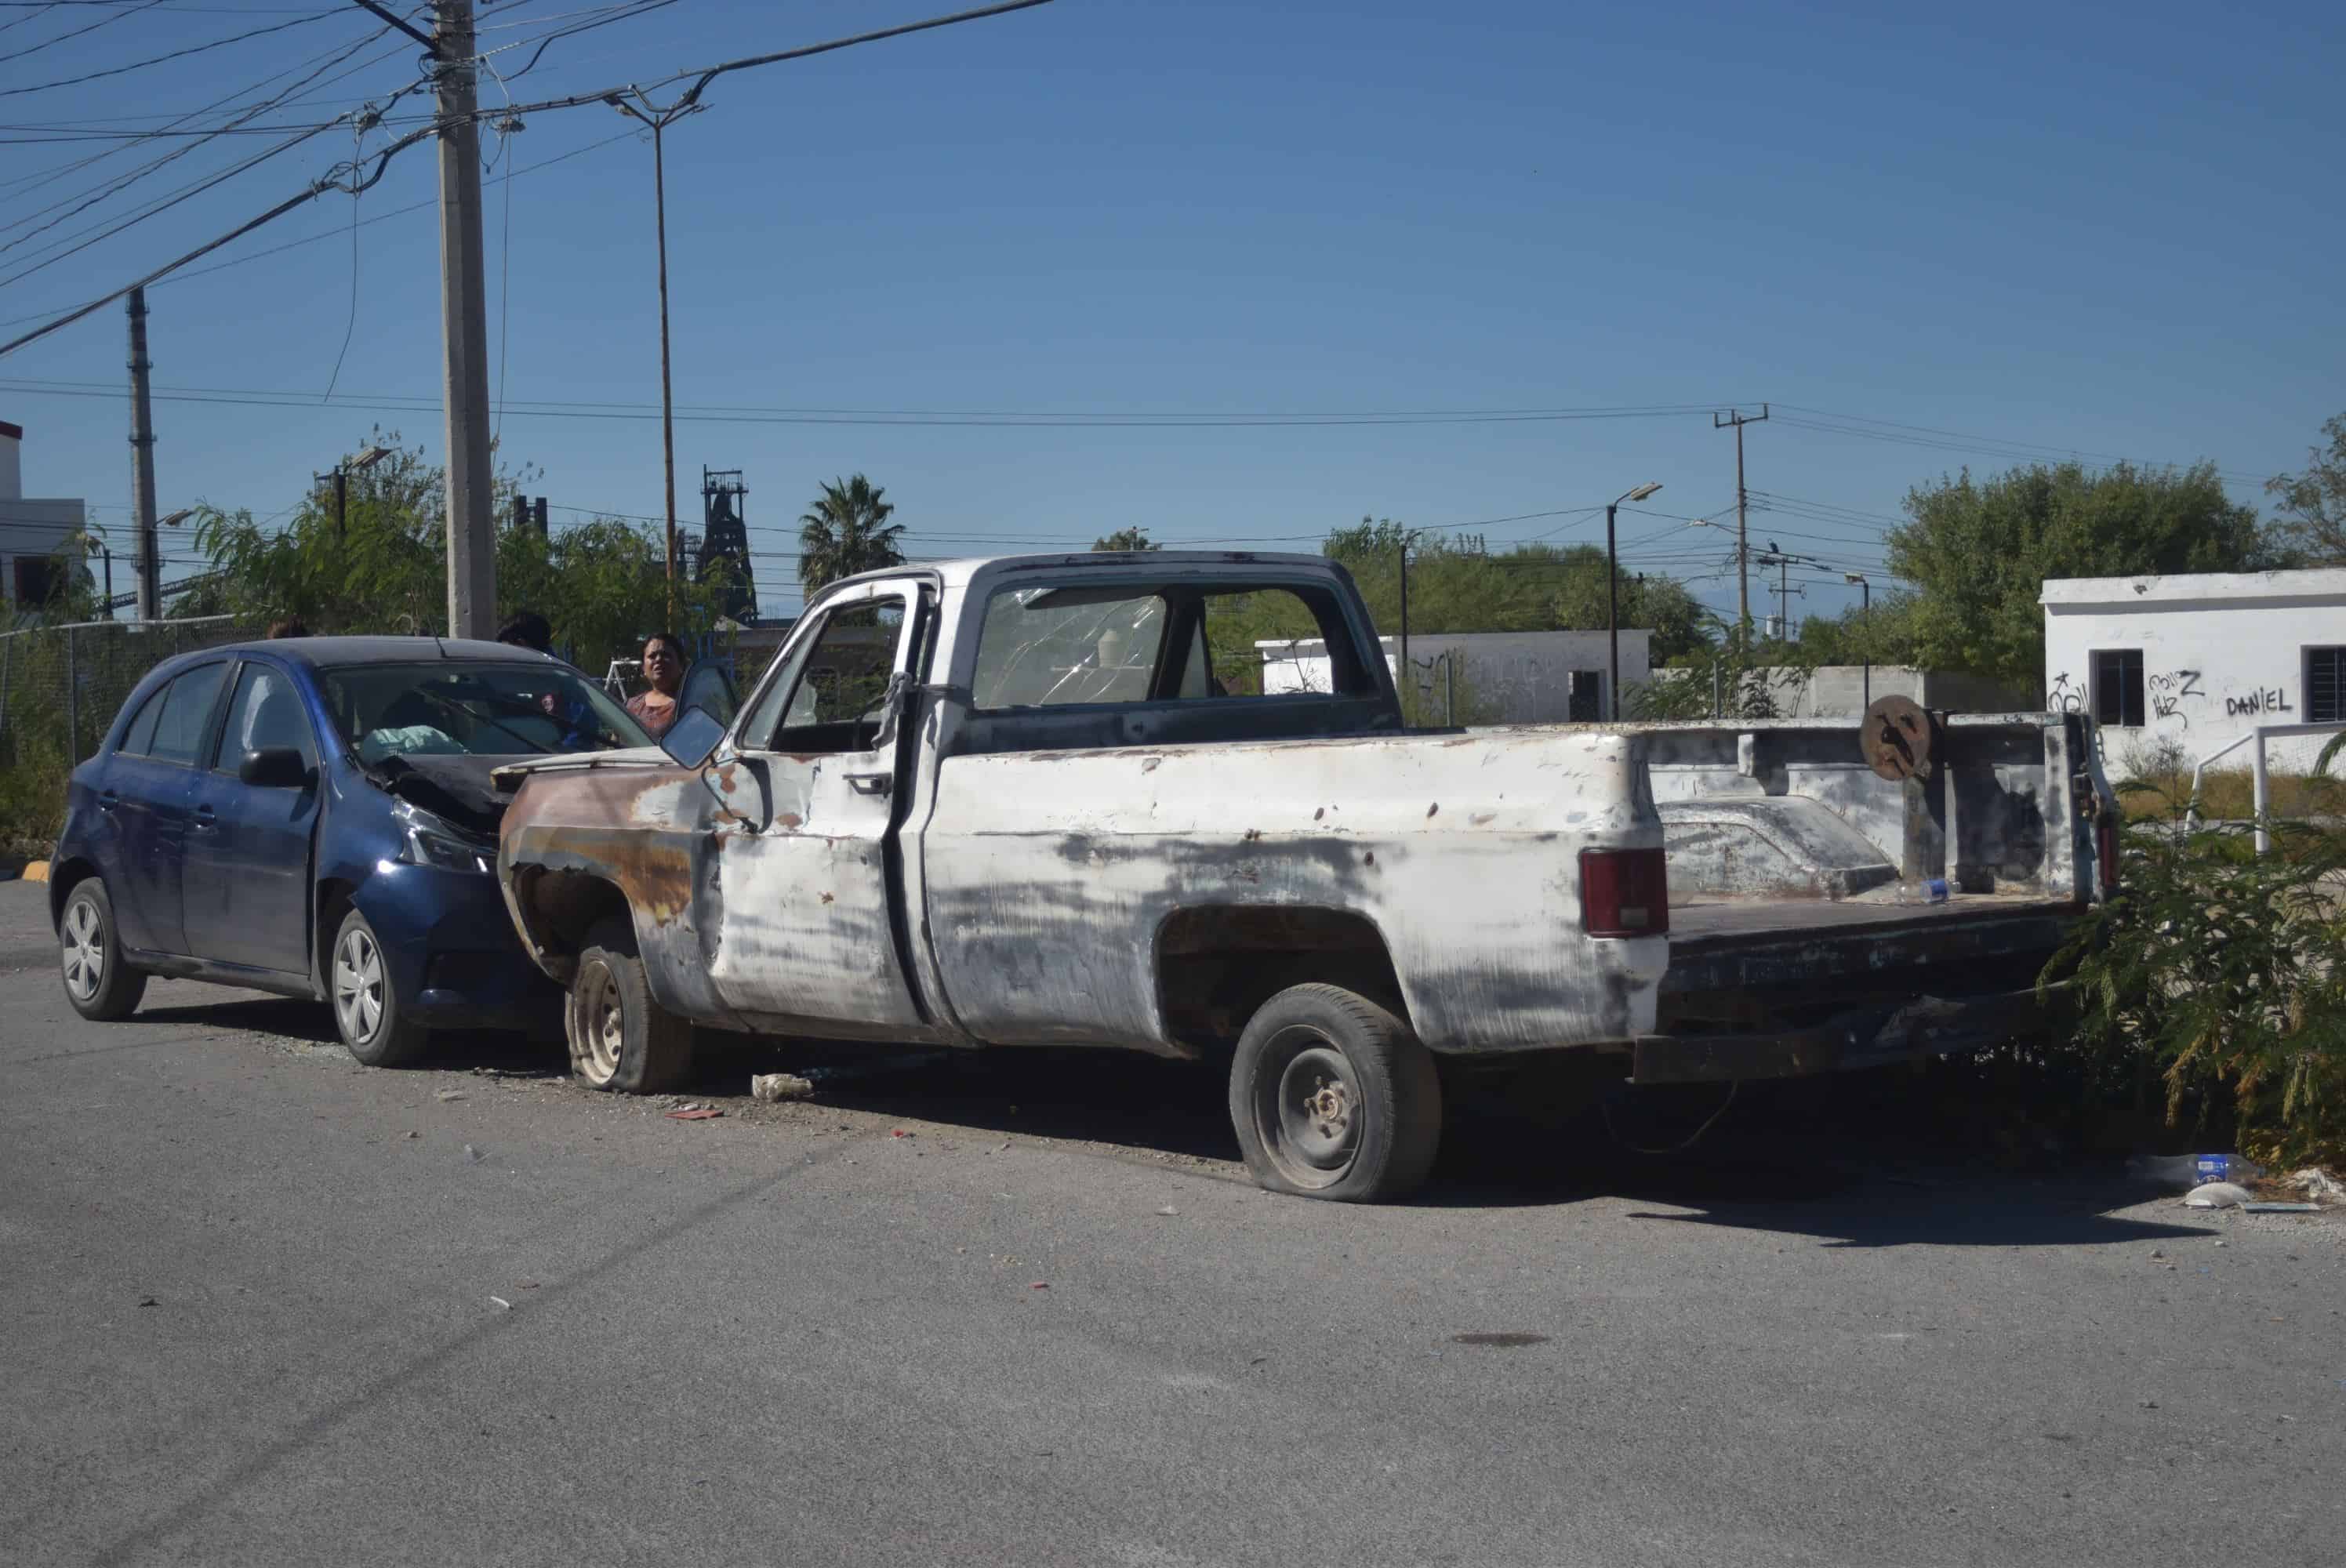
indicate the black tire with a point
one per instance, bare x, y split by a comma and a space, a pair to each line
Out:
620, 1039
1334, 1098
369, 1012
98, 981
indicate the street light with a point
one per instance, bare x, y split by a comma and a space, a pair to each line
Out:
1865, 627
341, 478
1613, 601
658, 120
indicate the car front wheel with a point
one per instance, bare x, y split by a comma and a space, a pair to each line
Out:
99, 984
369, 1012
620, 1039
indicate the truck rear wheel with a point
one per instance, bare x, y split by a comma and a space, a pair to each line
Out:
620, 1039
1333, 1096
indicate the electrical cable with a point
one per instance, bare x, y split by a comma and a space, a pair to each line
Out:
106, 21
358, 139
174, 55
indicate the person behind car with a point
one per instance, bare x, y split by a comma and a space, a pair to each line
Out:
291, 627
528, 629
656, 709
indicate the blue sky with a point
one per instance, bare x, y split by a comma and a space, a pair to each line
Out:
2088, 227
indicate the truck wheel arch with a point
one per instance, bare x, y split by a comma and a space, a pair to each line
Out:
1217, 964
559, 908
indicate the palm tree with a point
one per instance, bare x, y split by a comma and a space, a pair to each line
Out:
847, 532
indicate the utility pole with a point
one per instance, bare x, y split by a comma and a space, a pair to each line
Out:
1738, 419
142, 465
464, 331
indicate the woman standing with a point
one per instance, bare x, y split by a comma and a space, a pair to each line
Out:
656, 709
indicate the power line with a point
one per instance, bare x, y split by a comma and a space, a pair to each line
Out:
106, 21
174, 55
383, 157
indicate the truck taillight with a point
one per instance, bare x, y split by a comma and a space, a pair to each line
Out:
2106, 849
1625, 892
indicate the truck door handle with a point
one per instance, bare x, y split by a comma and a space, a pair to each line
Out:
107, 800
204, 818
872, 783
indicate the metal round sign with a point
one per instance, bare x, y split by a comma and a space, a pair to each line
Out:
1895, 737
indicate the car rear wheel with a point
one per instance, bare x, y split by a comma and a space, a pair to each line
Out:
367, 1010
99, 984
1334, 1097
620, 1039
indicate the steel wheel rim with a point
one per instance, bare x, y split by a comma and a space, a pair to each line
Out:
357, 986
601, 1024
83, 948
1308, 1109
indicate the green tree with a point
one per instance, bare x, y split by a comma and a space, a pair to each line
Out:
845, 532
382, 566
1127, 539
1978, 554
2312, 519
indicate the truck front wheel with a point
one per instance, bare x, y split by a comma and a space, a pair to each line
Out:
620, 1039
1333, 1096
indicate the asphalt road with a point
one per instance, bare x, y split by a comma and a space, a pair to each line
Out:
262, 1306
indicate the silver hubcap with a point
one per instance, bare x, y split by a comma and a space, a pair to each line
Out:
600, 1025
357, 986
84, 947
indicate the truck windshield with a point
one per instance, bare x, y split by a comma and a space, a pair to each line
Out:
491, 710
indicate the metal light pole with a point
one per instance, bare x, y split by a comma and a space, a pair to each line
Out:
658, 120
1407, 539
341, 475
1613, 602
1865, 625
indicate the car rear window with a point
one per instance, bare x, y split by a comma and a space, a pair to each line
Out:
186, 712
140, 737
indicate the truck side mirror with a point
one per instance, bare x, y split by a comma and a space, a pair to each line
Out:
692, 739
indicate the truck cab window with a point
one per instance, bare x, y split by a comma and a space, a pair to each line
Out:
828, 696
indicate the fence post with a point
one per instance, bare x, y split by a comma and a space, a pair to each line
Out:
73, 703
2263, 796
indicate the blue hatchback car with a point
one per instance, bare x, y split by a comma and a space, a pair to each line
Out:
314, 816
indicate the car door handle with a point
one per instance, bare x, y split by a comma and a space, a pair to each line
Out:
107, 800
872, 783
204, 816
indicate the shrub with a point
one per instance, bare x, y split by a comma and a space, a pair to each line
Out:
2223, 972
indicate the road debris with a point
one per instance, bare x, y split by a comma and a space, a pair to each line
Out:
447, 1094
775, 1087
473, 1154
695, 1113
149, 1301
2281, 1209
501, 1304
2318, 1184
2215, 1195
1040, 1285
1511, 1340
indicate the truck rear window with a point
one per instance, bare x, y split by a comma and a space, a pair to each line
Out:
1048, 646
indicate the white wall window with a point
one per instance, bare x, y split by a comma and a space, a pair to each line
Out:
2118, 686
2325, 686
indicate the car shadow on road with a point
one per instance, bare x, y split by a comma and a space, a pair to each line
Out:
288, 1017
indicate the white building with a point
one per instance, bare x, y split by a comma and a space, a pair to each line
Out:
1500, 678
32, 531
2198, 659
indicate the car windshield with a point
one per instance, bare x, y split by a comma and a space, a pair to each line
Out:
491, 710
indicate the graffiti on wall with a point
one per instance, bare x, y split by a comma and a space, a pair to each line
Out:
2063, 697
2257, 703
2168, 692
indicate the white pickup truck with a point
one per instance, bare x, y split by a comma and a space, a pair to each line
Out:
1012, 802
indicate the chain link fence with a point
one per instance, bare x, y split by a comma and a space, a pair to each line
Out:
60, 688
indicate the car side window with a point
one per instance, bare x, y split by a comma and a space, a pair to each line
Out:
1040, 647
265, 712
139, 739
186, 715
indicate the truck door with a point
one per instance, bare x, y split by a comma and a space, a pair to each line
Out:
807, 939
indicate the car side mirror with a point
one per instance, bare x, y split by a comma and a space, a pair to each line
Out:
273, 767
692, 739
